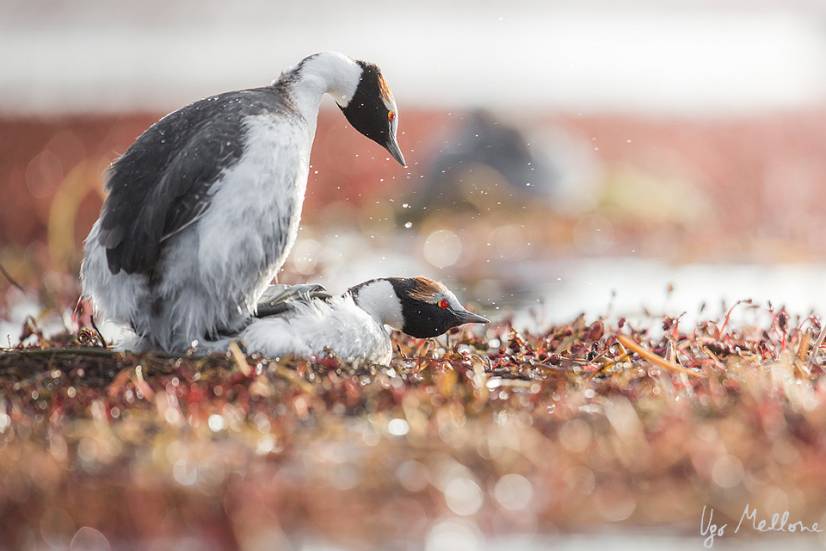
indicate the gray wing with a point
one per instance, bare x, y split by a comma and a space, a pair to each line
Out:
162, 184
278, 299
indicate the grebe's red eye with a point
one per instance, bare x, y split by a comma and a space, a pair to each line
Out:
391, 115
443, 304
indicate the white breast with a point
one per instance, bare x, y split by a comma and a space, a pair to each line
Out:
256, 210
315, 329
244, 236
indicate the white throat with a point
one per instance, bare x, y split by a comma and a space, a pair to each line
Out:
323, 73
379, 299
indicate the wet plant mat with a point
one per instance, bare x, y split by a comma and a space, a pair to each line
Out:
581, 427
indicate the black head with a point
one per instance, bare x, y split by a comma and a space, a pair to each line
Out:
372, 110
429, 308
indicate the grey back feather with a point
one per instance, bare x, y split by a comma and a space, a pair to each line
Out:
163, 182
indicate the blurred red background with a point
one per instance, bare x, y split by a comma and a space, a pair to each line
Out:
761, 176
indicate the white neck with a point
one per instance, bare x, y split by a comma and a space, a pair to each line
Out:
378, 298
323, 73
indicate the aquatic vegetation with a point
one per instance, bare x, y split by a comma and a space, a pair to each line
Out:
579, 426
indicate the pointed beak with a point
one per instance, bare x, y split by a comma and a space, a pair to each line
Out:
469, 317
393, 147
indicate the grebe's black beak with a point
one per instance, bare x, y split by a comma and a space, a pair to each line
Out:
469, 317
392, 147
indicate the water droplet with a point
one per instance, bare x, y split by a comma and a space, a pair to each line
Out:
398, 427
215, 422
